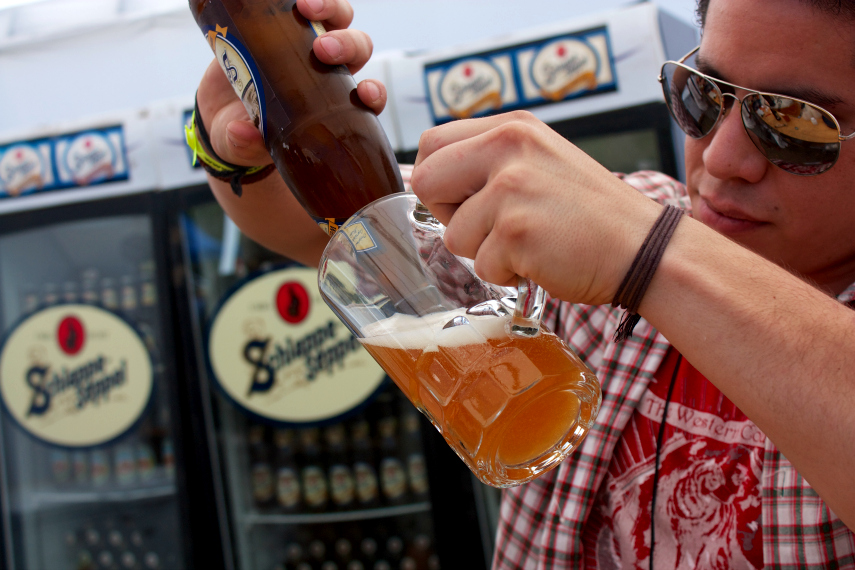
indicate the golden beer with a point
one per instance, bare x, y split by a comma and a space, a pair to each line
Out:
512, 408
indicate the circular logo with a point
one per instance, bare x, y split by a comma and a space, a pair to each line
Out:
21, 169
292, 302
90, 158
70, 335
277, 351
75, 375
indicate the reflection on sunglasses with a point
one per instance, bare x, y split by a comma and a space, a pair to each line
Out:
794, 135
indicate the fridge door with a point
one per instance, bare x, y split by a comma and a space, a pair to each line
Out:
355, 479
88, 464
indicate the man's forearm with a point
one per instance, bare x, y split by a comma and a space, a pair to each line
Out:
781, 350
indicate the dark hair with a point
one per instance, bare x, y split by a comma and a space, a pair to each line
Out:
844, 8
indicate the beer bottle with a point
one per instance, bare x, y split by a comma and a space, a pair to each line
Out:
89, 287
393, 476
69, 292
312, 473
413, 455
109, 295
50, 295
261, 469
394, 550
80, 467
364, 471
342, 484
29, 298
329, 148
287, 475
100, 467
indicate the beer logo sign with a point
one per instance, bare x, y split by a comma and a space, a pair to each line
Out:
278, 352
90, 158
240, 69
21, 169
75, 375
470, 87
565, 67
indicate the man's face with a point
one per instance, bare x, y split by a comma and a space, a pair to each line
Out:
803, 223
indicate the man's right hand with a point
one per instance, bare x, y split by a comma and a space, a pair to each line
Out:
268, 212
233, 135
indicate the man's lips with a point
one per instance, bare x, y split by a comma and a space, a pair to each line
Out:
725, 220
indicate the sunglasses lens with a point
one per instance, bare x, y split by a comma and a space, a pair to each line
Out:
794, 136
694, 102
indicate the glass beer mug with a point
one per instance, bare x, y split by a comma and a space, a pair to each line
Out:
507, 394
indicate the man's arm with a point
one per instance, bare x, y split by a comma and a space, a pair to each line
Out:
268, 212
520, 200
780, 349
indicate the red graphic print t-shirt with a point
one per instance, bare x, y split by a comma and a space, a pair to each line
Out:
708, 495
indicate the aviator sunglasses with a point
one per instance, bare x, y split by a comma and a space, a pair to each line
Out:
794, 135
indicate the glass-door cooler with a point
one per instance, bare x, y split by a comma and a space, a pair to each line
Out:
324, 464
97, 451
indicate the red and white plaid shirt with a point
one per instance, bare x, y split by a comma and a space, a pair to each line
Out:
541, 522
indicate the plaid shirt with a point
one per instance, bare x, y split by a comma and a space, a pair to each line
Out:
541, 523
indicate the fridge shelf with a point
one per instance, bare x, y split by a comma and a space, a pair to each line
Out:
255, 518
44, 500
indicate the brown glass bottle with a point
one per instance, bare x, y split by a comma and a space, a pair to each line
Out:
328, 146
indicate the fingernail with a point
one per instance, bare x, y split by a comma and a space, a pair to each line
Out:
332, 46
315, 5
373, 90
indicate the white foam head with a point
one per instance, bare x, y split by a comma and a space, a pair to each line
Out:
427, 333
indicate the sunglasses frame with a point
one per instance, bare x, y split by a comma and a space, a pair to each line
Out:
722, 110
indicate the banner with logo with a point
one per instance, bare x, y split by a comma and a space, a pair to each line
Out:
278, 352
547, 71
67, 161
75, 375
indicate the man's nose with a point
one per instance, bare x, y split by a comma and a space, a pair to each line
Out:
730, 153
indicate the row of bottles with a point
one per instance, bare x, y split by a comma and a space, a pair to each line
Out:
107, 544
146, 456
372, 460
390, 544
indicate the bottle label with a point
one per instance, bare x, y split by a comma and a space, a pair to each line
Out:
418, 473
366, 482
262, 482
341, 484
360, 238
393, 477
145, 462
60, 466
330, 225
100, 468
287, 487
125, 465
241, 71
314, 486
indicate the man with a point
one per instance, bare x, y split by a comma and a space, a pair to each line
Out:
750, 367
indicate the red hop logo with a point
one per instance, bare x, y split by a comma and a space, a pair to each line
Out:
292, 302
467, 71
70, 335
562, 51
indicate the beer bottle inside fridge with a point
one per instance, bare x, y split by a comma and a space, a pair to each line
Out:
342, 484
288, 493
109, 294
50, 294
393, 475
89, 293
70, 292
312, 473
30, 301
411, 443
364, 470
330, 148
261, 468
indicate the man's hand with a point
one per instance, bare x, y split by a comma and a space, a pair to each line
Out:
233, 135
521, 200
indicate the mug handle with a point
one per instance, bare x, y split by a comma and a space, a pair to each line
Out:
528, 310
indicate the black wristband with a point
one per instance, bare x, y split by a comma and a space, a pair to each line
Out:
640, 273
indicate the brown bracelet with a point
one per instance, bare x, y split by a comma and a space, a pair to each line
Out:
640, 273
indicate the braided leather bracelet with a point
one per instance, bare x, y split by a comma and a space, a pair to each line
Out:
640, 273
200, 143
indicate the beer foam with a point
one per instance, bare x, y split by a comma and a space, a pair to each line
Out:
426, 333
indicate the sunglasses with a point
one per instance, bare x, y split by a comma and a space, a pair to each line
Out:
794, 135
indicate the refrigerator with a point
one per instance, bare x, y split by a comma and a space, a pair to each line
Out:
318, 460
97, 463
593, 79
